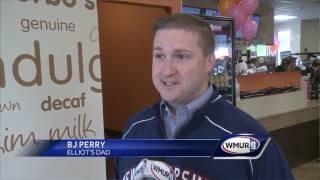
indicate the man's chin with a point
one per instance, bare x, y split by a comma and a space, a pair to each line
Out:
171, 101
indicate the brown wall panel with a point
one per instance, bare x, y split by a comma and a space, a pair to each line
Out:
126, 55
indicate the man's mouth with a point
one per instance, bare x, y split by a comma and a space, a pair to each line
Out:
169, 83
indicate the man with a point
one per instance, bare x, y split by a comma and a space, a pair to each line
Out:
283, 66
192, 109
315, 80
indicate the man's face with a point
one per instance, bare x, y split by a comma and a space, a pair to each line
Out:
179, 67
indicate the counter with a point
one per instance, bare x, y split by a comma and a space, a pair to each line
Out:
282, 120
296, 128
265, 106
292, 120
260, 81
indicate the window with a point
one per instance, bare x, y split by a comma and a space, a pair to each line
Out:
284, 39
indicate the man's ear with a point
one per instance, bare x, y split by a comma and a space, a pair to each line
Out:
211, 61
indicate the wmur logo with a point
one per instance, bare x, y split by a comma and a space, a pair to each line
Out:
240, 145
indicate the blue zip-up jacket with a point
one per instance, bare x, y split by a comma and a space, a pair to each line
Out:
214, 120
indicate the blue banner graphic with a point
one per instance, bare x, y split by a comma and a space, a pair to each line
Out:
237, 146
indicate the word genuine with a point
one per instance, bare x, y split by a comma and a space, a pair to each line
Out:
57, 25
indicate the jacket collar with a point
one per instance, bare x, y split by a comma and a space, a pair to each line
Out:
215, 97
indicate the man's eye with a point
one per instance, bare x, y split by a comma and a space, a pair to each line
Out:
182, 57
158, 56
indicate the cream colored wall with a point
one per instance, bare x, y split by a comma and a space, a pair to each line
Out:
304, 34
310, 35
295, 27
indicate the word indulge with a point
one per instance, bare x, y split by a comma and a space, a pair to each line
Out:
36, 60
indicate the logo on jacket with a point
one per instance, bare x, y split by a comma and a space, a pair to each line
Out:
150, 169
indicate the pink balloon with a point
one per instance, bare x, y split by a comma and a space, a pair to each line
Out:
239, 17
273, 50
276, 42
249, 6
249, 29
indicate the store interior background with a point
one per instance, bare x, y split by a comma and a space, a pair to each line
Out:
291, 118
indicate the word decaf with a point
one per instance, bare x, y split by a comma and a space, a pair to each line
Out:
65, 103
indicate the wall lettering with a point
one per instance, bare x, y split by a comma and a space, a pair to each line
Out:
36, 60
89, 4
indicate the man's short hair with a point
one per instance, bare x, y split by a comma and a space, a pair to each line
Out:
190, 23
315, 64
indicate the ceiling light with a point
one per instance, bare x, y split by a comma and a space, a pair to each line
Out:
284, 17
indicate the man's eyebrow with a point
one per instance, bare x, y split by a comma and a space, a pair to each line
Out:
158, 48
182, 50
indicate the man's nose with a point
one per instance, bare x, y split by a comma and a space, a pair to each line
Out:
169, 68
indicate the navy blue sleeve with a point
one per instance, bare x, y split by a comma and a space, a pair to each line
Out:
271, 165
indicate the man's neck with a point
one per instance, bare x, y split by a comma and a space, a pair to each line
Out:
174, 107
